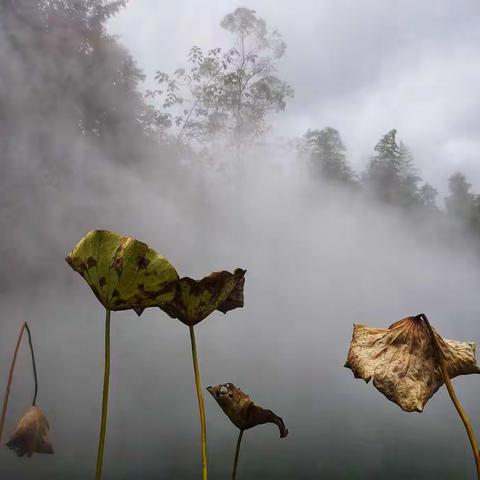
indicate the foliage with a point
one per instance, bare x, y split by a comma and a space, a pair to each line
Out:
122, 272
390, 176
241, 410
402, 361
428, 194
243, 413
227, 94
462, 205
326, 154
61, 68
195, 300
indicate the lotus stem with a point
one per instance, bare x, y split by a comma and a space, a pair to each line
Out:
12, 369
453, 396
34, 364
201, 405
106, 382
237, 453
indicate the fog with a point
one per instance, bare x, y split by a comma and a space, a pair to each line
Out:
318, 260
316, 263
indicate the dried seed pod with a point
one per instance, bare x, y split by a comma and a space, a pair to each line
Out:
122, 272
195, 300
402, 361
241, 410
31, 434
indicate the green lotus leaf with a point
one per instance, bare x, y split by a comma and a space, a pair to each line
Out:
194, 300
122, 272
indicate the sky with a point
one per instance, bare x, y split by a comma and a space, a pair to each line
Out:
361, 67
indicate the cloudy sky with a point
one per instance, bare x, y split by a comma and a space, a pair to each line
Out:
362, 67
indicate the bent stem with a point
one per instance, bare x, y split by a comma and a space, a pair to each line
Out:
12, 369
106, 381
201, 405
34, 364
453, 396
237, 453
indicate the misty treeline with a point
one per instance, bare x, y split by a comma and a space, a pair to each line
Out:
390, 177
71, 104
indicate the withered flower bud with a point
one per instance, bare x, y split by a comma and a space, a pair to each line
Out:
241, 410
31, 434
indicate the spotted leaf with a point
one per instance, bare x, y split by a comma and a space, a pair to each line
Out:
123, 273
194, 300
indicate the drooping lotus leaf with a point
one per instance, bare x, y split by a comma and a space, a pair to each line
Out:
402, 361
31, 434
241, 410
236, 298
123, 273
195, 300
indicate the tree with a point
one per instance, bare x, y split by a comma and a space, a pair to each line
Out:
326, 154
227, 94
460, 201
62, 70
390, 176
462, 205
428, 195
69, 104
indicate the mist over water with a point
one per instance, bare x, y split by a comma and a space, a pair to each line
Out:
317, 261
318, 258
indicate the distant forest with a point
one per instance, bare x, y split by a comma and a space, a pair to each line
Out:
65, 82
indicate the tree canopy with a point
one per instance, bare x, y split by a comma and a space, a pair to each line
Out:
227, 94
326, 155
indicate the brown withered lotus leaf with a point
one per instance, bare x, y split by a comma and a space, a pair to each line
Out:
195, 300
402, 362
241, 410
31, 434
122, 272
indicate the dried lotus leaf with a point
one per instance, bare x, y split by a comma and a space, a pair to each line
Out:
402, 361
241, 410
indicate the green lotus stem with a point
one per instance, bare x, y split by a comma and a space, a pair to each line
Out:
106, 381
453, 396
201, 405
237, 453
12, 369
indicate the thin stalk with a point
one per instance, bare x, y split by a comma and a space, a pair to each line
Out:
12, 369
10, 380
201, 405
453, 396
106, 382
34, 364
237, 453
